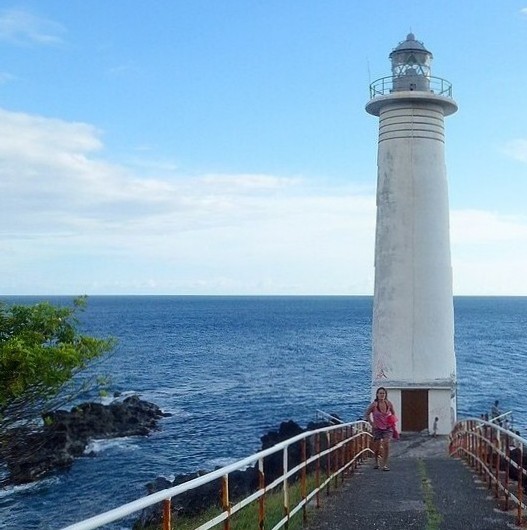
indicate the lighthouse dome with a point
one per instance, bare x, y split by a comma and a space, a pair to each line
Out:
410, 44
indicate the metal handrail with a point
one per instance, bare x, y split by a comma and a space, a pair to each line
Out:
385, 86
346, 445
507, 414
487, 448
495, 419
326, 416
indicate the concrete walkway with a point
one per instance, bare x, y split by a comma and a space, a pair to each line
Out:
425, 489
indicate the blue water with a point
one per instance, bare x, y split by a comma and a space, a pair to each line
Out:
230, 368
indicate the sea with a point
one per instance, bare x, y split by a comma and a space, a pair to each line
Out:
229, 369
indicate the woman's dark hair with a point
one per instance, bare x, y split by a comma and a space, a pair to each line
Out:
377, 393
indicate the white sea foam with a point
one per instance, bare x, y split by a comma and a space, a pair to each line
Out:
179, 413
219, 462
44, 483
107, 400
122, 444
123, 395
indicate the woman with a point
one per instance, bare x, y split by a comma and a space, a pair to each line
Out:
378, 414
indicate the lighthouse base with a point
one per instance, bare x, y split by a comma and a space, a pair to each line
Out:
417, 408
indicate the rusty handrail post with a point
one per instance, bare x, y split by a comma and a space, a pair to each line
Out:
285, 468
351, 434
485, 442
353, 449
261, 500
335, 456
467, 441
469, 444
497, 466
357, 432
479, 444
167, 515
463, 442
474, 445
484, 450
335, 459
489, 457
519, 518
507, 465
317, 468
340, 456
365, 441
328, 460
346, 449
225, 502
349, 446
476, 432
303, 479
493, 454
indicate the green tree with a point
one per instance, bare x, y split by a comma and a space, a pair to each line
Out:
41, 350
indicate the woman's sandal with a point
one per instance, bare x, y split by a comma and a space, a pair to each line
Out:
386, 468
376, 466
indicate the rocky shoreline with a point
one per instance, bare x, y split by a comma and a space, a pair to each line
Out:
66, 434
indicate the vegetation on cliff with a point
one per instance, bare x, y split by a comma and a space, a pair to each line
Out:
41, 350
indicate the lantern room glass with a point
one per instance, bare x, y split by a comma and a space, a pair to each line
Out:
411, 62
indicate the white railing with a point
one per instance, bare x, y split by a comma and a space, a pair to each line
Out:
386, 85
321, 415
329, 451
497, 454
506, 417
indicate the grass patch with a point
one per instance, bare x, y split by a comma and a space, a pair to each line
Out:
433, 517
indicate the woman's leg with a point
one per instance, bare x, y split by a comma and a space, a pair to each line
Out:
376, 450
385, 451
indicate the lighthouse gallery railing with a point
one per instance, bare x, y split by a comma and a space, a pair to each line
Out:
332, 451
385, 86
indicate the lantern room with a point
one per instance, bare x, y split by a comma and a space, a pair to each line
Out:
411, 65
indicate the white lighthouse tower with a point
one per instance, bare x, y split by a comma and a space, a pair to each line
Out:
413, 315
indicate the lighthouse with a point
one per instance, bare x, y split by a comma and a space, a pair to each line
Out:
413, 353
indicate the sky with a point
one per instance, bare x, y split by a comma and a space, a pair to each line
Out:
221, 147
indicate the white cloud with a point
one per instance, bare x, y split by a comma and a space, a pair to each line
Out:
516, 149
477, 227
70, 222
251, 182
64, 203
20, 26
489, 253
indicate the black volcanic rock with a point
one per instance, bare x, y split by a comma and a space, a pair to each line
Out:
65, 435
